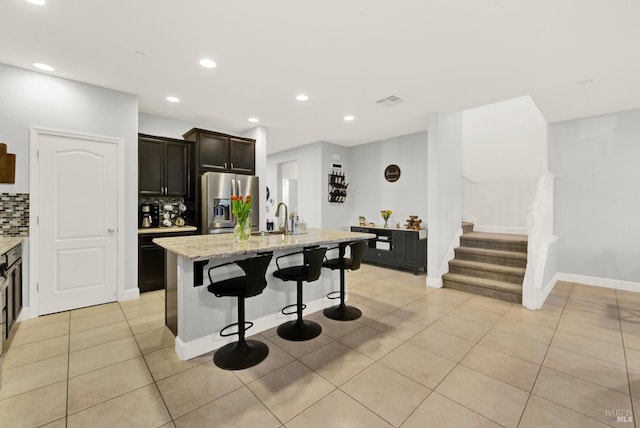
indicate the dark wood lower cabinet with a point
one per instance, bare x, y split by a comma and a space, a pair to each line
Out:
151, 262
398, 248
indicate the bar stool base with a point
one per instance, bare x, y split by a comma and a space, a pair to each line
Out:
342, 313
299, 330
238, 355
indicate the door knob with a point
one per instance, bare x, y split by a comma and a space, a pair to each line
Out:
111, 230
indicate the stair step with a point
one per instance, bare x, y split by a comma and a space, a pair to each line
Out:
487, 270
485, 287
495, 241
498, 257
467, 227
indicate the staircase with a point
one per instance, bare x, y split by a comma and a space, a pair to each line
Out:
489, 264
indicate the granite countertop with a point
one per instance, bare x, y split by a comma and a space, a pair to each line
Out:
171, 229
205, 247
422, 232
8, 242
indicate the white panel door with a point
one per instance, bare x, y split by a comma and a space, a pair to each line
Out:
78, 206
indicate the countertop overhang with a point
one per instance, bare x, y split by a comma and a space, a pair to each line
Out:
172, 229
422, 233
8, 242
206, 247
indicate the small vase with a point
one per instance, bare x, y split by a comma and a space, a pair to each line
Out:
385, 222
242, 230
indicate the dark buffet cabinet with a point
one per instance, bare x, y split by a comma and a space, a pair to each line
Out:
220, 152
400, 248
164, 166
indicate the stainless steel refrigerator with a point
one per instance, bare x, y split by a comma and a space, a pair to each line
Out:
217, 188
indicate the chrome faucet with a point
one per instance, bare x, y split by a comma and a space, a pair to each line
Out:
286, 216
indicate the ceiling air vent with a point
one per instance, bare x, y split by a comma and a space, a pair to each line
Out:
389, 101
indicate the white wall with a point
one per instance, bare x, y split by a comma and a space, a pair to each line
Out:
503, 146
369, 192
444, 192
37, 99
597, 195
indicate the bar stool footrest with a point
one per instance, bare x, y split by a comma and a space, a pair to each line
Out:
294, 305
334, 295
247, 326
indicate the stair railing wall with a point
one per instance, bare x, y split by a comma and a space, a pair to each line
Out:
540, 240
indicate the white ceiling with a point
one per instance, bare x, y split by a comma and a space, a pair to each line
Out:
437, 55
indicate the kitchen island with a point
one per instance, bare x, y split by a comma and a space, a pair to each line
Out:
196, 316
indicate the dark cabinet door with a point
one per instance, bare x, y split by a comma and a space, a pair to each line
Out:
150, 166
406, 246
16, 281
214, 152
150, 266
8, 295
242, 156
176, 169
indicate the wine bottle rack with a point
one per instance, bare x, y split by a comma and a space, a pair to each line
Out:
337, 187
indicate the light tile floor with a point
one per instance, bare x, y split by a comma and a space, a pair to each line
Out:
418, 357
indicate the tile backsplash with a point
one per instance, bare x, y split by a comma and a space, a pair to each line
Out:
14, 214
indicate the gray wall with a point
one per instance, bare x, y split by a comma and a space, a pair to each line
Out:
369, 192
42, 100
597, 195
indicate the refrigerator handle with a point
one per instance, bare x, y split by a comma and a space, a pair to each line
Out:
239, 188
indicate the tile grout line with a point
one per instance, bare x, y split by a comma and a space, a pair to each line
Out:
458, 364
155, 383
567, 374
535, 381
624, 351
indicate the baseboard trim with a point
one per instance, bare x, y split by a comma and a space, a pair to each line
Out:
434, 282
596, 281
129, 294
203, 345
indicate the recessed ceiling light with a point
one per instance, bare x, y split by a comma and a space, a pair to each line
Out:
173, 99
302, 97
207, 63
254, 119
349, 118
43, 67
36, 2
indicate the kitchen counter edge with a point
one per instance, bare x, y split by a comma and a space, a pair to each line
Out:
172, 229
206, 247
8, 242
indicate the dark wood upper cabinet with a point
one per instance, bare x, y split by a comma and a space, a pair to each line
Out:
163, 166
242, 156
222, 153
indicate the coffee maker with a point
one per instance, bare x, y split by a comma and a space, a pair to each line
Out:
147, 218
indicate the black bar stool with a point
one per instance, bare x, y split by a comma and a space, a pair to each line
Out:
343, 312
300, 329
243, 353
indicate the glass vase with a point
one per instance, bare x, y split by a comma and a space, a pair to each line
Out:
242, 230
385, 222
